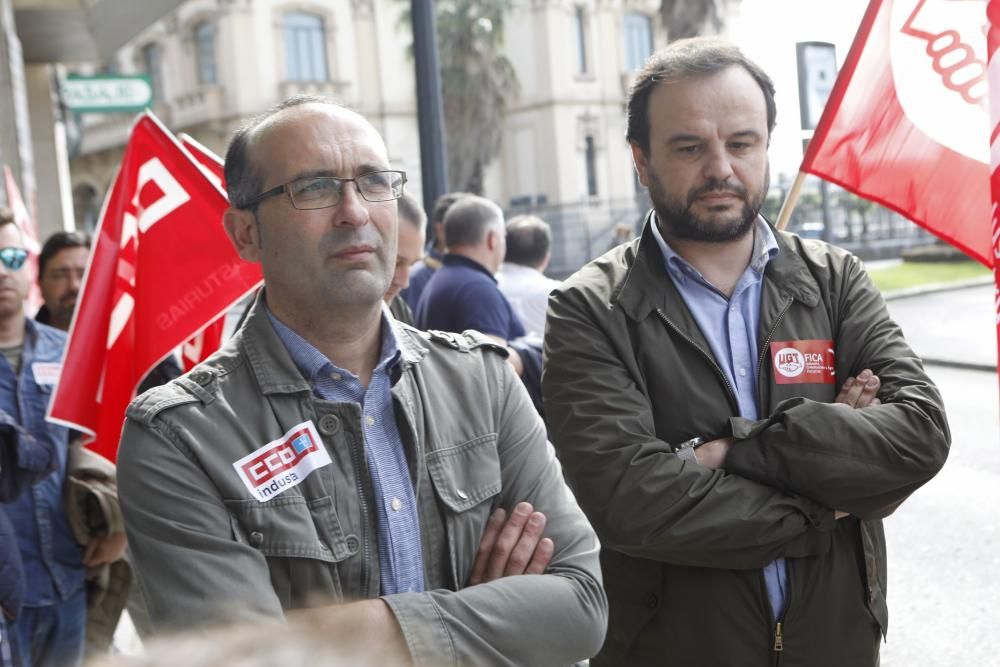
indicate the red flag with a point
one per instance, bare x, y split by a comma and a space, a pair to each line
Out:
905, 121
162, 267
30, 235
209, 339
993, 43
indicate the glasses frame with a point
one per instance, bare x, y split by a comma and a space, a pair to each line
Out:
253, 203
7, 260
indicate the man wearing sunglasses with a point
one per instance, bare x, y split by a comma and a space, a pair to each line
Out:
328, 454
49, 627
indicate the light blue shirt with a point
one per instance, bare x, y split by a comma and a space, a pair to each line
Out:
401, 562
730, 327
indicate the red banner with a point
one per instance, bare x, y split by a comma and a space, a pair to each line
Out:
30, 235
201, 346
162, 266
905, 121
992, 44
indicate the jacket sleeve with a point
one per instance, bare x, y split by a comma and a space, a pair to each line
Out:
24, 459
171, 510
864, 462
556, 618
642, 499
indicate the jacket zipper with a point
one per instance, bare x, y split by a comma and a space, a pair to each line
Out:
763, 353
733, 403
779, 640
365, 563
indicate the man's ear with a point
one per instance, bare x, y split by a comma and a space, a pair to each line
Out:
244, 232
641, 162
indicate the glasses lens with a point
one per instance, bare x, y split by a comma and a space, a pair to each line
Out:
381, 185
13, 258
319, 192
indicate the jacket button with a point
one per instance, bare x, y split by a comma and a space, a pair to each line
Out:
256, 539
352, 544
462, 494
651, 601
323, 546
201, 377
871, 595
329, 424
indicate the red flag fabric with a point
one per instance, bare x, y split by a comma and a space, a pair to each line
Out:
208, 340
30, 235
906, 120
162, 266
992, 44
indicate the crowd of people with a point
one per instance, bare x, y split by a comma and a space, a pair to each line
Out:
417, 449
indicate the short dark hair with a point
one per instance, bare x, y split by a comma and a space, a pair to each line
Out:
468, 220
243, 181
528, 240
58, 242
411, 211
686, 59
443, 203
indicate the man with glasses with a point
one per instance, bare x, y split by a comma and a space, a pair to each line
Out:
49, 627
330, 457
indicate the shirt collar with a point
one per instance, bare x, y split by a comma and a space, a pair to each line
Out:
311, 362
765, 248
452, 259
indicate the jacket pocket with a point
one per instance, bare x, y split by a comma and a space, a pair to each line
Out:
465, 477
307, 531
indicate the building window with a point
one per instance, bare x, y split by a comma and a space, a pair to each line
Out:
305, 47
204, 44
86, 207
580, 28
590, 155
152, 61
638, 40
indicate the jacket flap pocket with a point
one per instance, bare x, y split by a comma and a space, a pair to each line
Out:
467, 474
290, 527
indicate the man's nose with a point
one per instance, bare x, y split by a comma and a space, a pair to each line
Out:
352, 209
718, 165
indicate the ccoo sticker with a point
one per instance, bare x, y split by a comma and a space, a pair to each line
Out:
283, 463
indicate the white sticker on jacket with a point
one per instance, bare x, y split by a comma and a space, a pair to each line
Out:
283, 463
46, 372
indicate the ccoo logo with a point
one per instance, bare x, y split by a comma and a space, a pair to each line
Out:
789, 362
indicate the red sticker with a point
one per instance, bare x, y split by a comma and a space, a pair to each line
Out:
803, 361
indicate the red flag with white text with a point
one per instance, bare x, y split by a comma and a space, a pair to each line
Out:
208, 340
162, 267
906, 122
993, 44
30, 235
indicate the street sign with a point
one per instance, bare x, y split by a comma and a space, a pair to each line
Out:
107, 93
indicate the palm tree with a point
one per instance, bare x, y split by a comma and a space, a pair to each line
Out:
690, 18
477, 84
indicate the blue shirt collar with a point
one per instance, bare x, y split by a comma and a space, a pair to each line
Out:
311, 362
765, 248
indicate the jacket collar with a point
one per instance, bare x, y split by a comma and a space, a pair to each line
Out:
273, 366
647, 287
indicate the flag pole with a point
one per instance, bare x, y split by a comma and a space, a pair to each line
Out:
791, 199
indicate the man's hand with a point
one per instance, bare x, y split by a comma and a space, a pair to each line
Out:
512, 546
860, 392
712, 454
365, 631
103, 549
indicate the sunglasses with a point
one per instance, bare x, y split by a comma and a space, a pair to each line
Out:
13, 258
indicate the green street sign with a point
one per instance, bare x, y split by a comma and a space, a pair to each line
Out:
107, 93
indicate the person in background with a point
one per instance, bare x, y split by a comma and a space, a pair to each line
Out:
424, 270
521, 277
412, 222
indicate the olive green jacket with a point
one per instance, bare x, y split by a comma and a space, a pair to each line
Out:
628, 376
206, 550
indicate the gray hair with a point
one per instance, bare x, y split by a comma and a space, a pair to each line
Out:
469, 219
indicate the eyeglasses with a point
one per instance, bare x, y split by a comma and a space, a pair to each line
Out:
314, 192
13, 258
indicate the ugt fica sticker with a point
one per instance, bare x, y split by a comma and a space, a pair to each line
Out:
803, 361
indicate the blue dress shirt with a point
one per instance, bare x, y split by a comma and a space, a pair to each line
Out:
730, 327
401, 561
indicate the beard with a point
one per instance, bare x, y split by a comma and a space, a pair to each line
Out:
679, 221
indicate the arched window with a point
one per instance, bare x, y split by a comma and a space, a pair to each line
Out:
152, 63
305, 47
204, 44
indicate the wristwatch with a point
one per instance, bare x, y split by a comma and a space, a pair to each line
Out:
685, 450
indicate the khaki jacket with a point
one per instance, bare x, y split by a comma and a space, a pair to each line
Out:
206, 550
628, 376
